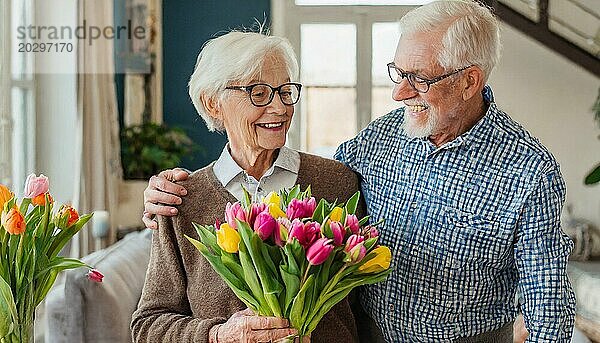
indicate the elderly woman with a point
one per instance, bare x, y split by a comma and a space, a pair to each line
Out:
242, 84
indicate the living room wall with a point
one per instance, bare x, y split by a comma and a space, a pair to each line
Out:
187, 25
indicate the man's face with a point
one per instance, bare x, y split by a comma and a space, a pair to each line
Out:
436, 112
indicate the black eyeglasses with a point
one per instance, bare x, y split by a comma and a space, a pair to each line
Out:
418, 83
261, 94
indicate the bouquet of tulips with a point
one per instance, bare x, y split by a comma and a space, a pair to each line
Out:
31, 237
292, 257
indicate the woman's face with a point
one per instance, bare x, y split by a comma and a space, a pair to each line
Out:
251, 128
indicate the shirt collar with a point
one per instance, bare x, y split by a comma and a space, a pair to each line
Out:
226, 169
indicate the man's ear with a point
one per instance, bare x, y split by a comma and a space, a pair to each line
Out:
212, 106
474, 82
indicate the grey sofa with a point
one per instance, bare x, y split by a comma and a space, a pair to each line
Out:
78, 310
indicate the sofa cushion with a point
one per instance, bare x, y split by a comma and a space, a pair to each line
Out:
79, 310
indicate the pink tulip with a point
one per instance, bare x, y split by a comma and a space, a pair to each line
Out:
319, 251
35, 185
352, 223
255, 209
301, 208
356, 254
371, 232
306, 234
265, 225
234, 211
95, 275
353, 241
338, 233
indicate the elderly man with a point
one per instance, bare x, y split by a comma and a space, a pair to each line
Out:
471, 200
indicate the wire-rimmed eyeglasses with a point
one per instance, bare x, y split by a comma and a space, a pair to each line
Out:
261, 94
418, 83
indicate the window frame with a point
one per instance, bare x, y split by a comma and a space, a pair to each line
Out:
287, 18
14, 167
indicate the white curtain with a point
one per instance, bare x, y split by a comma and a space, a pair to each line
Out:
99, 155
5, 122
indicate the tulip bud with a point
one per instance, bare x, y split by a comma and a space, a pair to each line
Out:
5, 196
35, 185
338, 232
228, 238
272, 198
353, 241
319, 251
379, 263
301, 208
356, 254
66, 217
40, 200
265, 225
371, 232
13, 221
306, 234
234, 211
352, 223
94, 275
336, 214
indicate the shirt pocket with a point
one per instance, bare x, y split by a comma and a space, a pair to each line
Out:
473, 238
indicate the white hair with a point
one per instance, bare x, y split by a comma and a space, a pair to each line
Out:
471, 34
234, 57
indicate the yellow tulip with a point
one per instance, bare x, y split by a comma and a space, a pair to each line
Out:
336, 214
276, 212
228, 238
379, 263
272, 198
5, 195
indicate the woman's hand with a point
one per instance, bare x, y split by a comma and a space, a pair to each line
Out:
163, 191
245, 326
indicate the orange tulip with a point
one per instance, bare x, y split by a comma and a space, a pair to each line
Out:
40, 200
13, 221
73, 215
5, 195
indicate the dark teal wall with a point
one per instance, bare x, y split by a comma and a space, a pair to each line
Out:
187, 24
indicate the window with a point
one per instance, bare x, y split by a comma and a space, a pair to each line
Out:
17, 88
343, 51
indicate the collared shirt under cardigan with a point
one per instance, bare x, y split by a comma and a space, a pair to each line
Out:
469, 223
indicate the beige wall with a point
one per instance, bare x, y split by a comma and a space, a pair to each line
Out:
552, 98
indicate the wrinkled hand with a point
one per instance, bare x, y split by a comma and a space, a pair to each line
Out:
162, 191
245, 326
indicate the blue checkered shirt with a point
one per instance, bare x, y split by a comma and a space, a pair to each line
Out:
469, 223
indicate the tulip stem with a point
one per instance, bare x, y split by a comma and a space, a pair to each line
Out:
305, 275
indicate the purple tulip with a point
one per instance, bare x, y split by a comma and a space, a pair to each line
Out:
306, 234
265, 225
301, 208
338, 232
353, 241
319, 251
35, 185
234, 211
352, 223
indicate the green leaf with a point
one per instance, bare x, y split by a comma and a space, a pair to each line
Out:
251, 278
297, 310
61, 263
352, 203
292, 285
8, 309
593, 177
319, 214
208, 237
369, 243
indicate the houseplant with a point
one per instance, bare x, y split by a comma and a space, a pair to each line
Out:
149, 148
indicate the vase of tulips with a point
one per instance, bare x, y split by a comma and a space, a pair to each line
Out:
32, 235
293, 257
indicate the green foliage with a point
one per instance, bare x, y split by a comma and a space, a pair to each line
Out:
149, 148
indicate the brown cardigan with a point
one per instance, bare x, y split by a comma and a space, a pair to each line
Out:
183, 297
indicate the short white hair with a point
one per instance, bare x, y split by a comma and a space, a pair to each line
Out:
470, 32
234, 57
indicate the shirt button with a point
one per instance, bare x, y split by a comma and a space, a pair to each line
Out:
413, 205
391, 307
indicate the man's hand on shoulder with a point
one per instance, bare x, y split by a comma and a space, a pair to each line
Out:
161, 192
